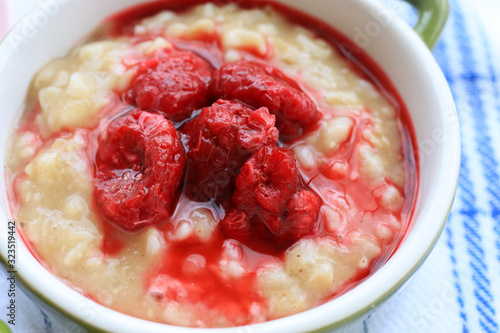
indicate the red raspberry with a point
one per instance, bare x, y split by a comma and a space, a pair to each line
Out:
303, 209
140, 161
271, 199
260, 85
267, 180
236, 224
220, 141
174, 83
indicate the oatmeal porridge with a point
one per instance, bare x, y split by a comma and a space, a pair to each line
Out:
212, 165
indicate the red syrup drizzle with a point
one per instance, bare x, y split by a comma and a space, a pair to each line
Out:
236, 296
232, 297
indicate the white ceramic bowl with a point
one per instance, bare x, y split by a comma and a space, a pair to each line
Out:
53, 28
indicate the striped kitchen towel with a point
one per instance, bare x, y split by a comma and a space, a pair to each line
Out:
458, 287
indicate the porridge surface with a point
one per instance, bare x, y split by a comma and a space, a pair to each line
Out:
185, 271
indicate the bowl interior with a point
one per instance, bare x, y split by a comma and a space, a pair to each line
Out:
44, 34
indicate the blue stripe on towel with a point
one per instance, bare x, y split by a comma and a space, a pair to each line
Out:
480, 279
456, 277
440, 54
494, 184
